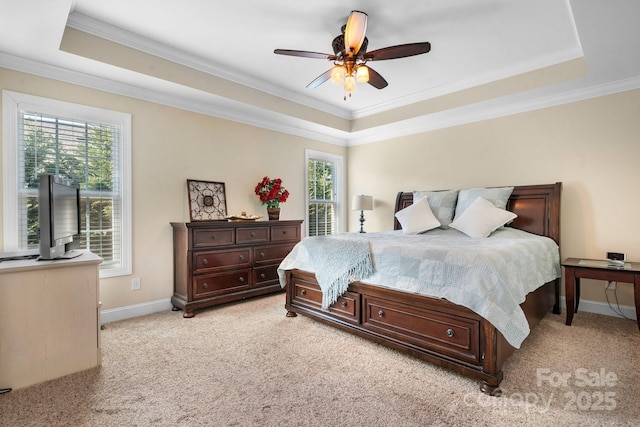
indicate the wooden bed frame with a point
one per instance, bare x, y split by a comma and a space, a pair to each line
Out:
430, 328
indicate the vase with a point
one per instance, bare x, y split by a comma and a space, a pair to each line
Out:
274, 214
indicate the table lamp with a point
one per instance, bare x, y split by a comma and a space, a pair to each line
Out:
362, 203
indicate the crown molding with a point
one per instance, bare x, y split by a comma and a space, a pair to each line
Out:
118, 35
487, 110
193, 100
220, 107
479, 80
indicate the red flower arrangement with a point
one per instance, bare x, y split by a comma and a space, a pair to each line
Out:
271, 192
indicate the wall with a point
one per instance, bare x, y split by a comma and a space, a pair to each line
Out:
588, 145
591, 146
170, 146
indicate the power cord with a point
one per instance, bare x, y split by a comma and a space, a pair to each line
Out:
4, 390
616, 309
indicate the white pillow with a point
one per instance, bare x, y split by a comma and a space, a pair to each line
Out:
481, 219
442, 204
499, 196
417, 218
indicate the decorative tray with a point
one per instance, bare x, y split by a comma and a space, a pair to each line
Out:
243, 217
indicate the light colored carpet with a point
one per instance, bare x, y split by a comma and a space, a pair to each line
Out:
246, 364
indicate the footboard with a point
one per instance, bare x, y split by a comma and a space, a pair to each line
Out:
432, 329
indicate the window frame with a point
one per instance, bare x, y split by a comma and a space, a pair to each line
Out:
11, 103
339, 185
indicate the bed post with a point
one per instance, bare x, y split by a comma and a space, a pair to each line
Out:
288, 291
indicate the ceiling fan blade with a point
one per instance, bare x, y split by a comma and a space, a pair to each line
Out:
355, 31
320, 79
305, 54
399, 51
376, 80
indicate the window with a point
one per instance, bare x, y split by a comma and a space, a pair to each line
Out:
324, 172
90, 147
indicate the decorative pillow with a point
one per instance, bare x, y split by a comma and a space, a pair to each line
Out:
417, 218
442, 204
499, 196
482, 218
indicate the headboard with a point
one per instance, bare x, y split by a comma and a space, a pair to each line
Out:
537, 207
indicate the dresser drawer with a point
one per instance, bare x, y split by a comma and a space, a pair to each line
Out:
265, 275
347, 307
282, 233
252, 235
221, 260
221, 283
426, 328
270, 254
206, 237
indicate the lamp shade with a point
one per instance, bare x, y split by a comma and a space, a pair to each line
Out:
355, 30
362, 74
362, 203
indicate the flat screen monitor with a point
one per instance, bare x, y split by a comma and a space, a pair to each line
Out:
59, 217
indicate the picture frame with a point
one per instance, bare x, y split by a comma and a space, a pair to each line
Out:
207, 200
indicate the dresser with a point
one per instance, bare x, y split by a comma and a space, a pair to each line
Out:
49, 319
215, 262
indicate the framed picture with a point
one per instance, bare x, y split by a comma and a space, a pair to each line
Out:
207, 200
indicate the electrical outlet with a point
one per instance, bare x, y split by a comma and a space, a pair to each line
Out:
135, 284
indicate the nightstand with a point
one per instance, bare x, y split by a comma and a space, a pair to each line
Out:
576, 269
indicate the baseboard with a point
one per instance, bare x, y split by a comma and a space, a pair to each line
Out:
603, 308
127, 312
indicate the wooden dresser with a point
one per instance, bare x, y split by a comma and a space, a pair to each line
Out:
217, 261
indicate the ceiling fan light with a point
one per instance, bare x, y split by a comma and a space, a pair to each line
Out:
355, 31
362, 74
337, 74
349, 84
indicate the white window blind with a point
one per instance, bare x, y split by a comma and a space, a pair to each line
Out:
90, 147
322, 205
85, 153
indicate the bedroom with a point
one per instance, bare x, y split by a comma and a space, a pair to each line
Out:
590, 145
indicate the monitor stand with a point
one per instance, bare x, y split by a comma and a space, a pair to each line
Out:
70, 254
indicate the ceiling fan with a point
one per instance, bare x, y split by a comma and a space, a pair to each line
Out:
350, 56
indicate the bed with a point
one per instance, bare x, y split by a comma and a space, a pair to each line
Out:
433, 328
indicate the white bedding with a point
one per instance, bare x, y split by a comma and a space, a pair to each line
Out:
490, 276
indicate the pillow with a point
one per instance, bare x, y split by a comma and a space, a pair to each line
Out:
499, 196
417, 218
482, 218
442, 204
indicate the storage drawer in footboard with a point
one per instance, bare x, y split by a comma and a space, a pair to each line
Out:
429, 329
309, 295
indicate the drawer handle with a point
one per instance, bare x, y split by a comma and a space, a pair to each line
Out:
284, 231
343, 303
242, 257
253, 234
205, 286
241, 279
381, 313
262, 276
205, 261
450, 333
303, 292
213, 237
262, 254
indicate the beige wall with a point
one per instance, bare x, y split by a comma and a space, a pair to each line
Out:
586, 145
170, 146
593, 147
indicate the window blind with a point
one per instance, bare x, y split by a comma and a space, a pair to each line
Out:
322, 198
87, 153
